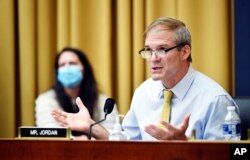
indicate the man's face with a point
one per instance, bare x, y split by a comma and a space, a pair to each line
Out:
167, 67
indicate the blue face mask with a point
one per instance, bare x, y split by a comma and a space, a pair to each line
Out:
70, 76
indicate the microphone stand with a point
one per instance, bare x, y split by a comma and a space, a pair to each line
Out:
90, 128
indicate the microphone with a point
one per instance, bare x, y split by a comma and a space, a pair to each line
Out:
108, 108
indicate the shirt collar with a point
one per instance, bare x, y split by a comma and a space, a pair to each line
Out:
181, 88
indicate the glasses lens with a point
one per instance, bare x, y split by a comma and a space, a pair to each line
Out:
160, 53
145, 54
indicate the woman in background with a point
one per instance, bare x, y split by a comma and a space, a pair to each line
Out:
74, 78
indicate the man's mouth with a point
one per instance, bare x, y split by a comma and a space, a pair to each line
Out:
154, 69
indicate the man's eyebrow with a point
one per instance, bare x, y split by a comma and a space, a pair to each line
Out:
162, 45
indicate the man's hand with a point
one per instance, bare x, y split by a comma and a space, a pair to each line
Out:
75, 121
169, 132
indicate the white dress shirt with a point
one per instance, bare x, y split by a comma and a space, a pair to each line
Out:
196, 93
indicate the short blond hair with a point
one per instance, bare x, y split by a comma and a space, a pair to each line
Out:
182, 34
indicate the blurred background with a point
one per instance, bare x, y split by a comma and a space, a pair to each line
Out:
111, 34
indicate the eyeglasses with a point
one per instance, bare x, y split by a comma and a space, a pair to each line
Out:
159, 53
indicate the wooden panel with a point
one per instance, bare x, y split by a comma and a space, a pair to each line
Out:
63, 149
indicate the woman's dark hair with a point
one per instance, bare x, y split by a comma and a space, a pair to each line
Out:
88, 92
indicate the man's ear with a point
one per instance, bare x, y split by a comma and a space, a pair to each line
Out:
185, 51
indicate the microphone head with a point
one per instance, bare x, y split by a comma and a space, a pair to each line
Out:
109, 105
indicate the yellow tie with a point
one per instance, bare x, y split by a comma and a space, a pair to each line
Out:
165, 116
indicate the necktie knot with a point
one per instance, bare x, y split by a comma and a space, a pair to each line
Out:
168, 95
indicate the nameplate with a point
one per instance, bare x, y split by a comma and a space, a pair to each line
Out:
38, 132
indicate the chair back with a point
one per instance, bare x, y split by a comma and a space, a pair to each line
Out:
244, 107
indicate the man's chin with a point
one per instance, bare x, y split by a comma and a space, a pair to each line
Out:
155, 78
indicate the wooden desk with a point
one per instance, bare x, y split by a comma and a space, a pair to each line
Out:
127, 150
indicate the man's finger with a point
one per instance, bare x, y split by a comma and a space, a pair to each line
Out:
58, 113
79, 103
153, 131
167, 125
184, 125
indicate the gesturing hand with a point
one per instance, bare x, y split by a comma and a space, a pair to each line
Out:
75, 121
169, 132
